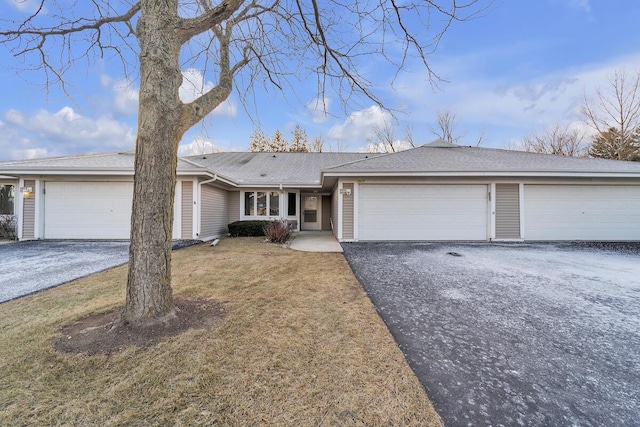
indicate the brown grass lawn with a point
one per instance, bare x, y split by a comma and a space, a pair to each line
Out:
301, 345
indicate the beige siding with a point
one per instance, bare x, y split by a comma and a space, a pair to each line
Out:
347, 213
29, 212
334, 210
214, 206
234, 206
187, 209
507, 211
326, 213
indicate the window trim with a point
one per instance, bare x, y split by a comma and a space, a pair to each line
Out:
268, 195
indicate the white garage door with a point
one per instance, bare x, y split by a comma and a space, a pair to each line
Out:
87, 210
581, 212
422, 212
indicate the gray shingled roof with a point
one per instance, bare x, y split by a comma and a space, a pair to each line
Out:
484, 160
274, 168
85, 162
305, 169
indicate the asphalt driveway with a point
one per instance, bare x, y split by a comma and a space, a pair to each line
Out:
32, 266
514, 334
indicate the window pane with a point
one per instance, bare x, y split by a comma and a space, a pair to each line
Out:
291, 209
274, 203
7, 195
262, 203
249, 198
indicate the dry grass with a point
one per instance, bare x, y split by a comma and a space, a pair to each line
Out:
302, 345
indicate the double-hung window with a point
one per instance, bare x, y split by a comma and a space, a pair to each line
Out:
261, 203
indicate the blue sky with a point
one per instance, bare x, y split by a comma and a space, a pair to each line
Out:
521, 67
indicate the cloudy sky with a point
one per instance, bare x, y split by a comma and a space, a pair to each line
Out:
521, 67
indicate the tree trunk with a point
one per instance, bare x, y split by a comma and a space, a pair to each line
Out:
149, 293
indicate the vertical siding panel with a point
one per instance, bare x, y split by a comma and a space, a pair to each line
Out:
334, 210
187, 209
347, 213
29, 212
507, 211
234, 206
214, 205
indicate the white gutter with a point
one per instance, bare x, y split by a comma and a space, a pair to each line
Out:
218, 177
544, 174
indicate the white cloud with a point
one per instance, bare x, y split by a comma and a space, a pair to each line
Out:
64, 132
26, 6
126, 97
517, 106
197, 146
379, 147
580, 4
194, 85
360, 125
319, 109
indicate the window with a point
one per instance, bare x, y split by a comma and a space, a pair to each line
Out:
291, 208
7, 196
274, 203
261, 203
249, 203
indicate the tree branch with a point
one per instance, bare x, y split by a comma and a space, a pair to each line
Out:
191, 27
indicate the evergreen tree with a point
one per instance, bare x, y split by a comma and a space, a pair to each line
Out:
299, 141
259, 142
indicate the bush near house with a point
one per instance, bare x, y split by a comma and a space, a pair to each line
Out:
7, 227
277, 232
248, 228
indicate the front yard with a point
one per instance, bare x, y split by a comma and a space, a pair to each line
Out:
301, 344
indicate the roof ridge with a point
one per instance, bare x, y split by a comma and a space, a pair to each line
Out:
72, 156
379, 155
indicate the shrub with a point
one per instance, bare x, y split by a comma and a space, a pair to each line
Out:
247, 228
277, 232
7, 227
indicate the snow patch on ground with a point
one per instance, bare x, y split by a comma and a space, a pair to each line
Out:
514, 334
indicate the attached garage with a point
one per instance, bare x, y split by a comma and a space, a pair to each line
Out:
87, 210
582, 212
422, 212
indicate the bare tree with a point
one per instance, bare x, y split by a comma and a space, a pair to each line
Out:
318, 145
239, 42
408, 136
447, 127
556, 140
614, 113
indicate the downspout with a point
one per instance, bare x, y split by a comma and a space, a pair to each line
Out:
199, 205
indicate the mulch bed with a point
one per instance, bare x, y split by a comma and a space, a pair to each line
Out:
96, 334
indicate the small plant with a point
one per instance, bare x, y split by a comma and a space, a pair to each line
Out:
7, 227
277, 232
247, 228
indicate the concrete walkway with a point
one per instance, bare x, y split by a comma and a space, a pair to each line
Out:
315, 241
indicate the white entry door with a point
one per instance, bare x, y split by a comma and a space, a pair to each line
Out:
311, 212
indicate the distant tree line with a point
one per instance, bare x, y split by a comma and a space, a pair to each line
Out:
299, 142
613, 112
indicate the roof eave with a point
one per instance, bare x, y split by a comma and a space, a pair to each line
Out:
545, 174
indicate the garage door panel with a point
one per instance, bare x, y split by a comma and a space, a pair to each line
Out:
581, 212
87, 210
422, 212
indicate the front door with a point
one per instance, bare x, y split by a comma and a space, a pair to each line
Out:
311, 209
